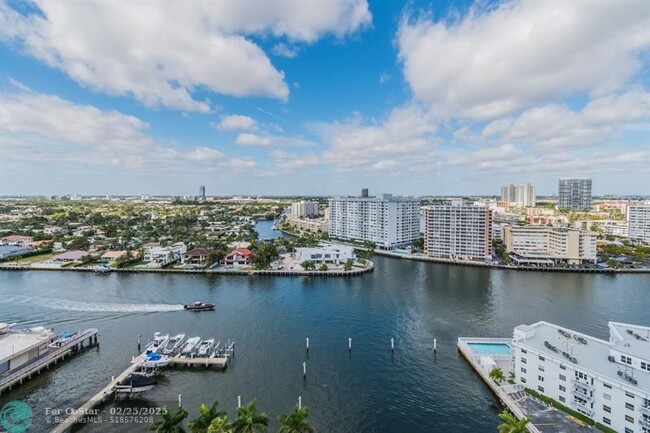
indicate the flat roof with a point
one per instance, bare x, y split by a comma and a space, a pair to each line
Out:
625, 341
591, 356
14, 343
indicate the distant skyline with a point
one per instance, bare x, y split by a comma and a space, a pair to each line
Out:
323, 97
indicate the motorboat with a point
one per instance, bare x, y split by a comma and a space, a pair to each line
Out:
155, 360
173, 344
136, 383
190, 345
61, 339
157, 343
199, 306
205, 348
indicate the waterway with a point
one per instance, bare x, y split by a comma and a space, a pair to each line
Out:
367, 390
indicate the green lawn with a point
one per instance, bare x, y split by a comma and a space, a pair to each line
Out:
33, 259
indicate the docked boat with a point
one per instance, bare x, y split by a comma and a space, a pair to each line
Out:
61, 339
199, 306
205, 348
173, 344
190, 345
157, 343
136, 383
155, 360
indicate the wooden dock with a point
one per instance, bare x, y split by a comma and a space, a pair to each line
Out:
85, 339
103, 395
211, 361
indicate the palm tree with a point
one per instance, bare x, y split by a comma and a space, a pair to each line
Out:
220, 425
169, 421
511, 424
497, 375
248, 421
207, 414
296, 421
511, 377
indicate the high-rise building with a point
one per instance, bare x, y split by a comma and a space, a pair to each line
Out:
202, 193
575, 193
519, 195
388, 221
639, 222
303, 209
605, 380
364, 192
549, 245
457, 229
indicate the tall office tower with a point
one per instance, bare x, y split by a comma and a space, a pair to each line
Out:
575, 193
639, 222
388, 221
364, 192
521, 195
458, 229
202, 193
305, 209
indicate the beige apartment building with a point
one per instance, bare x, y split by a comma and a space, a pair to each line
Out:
549, 245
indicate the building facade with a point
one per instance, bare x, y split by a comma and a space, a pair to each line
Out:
575, 193
306, 224
639, 222
387, 221
328, 254
519, 195
458, 229
305, 209
608, 381
549, 245
162, 256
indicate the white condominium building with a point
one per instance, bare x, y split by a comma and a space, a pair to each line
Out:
458, 230
549, 245
639, 222
305, 209
387, 221
519, 195
608, 381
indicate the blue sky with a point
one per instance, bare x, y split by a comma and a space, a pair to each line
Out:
323, 97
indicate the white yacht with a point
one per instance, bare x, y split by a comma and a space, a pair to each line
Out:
173, 344
205, 348
158, 342
190, 345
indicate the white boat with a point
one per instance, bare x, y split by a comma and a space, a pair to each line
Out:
155, 360
157, 343
173, 344
190, 345
205, 347
136, 383
62, 339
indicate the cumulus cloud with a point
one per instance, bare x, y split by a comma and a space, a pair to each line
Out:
236, 122
38, 127
160, 52
248, 139
284, 50
493, 62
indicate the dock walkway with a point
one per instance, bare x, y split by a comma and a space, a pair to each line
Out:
53, 356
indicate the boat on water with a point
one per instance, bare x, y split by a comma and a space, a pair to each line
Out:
157, 343
101, 269
155, 360
61, 339
173, 344
199, 306
205, 348
136, 383
190, 345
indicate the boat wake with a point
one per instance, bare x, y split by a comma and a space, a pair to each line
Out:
96, 307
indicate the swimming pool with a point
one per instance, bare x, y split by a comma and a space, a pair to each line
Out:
490, 348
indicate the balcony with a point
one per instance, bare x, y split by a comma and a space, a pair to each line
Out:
645, 410
645, 421
583, 408
584, 383
582, 394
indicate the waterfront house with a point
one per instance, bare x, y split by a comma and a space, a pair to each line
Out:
196, 256
154, 253
17, 240
70, 256
329, 254
111, 256
239, 257
7, 251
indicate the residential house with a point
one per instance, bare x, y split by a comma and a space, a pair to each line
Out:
239, 257
154, 253
70, 256
111, 256
330, 254
17, 240
197, 256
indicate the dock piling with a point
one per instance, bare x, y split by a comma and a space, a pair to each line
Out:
238, 401
180, 400
299, 402
350, 344
304, 370
435, 345
307, 344
392, 345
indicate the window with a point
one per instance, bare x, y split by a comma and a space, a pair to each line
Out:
523, 380
523, 351
540, 388
562, 399
645, 366
607, 421
629, 406
523, 360
523, 370
607, 385
628, 418
607, 409
540, 378
607, 397
540, 368
629, 394
541, 358
626, 360
563, 377
628, 430
562, 388
562, 367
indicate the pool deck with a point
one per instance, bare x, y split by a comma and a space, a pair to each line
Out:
546, 419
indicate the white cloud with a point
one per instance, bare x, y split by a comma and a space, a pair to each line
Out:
284, 50
521, 53
236, 122
36, 127
160, 52
384, 77
247, 139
